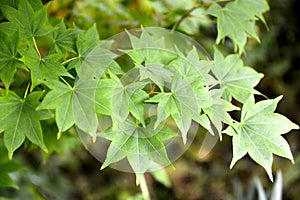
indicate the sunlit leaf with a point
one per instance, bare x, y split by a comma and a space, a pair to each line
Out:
259, 133
140, 145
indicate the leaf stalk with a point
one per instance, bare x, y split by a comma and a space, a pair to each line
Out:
36, 47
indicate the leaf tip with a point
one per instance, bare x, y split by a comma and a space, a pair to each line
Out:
261, 75
232, 164
271, 177
292, 160
46, 150
279, 98
269, 172
103, 166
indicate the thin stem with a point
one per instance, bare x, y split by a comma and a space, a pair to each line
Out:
152, 91
36, 47
26, 91
66, 82
69, 60
144, 188
187, 14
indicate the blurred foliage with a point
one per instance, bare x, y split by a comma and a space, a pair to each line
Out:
74, 174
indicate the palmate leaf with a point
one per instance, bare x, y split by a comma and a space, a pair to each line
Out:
259, 133
237, 20
19, 119
237, 80
64, 39
181, 104
140, 145
254, 8
8, 57
217, 112
123, 99
109, 94
30, 22
43, 70
73, 105
103, 96
196, 73
85, 43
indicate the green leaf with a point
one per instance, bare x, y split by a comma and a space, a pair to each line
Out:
181, 104
123, 100
136, 105
146, 40
217, 113
237, 19
133, 102
44, 70
85, 43
19, 119
140, 145
31, 23
8, 57
237, 80
8, 28
73, 105
254, 8
259, 133
36, 5
103, 96
64, 39
155, 72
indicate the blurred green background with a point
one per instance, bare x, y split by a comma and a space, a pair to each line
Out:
72, 173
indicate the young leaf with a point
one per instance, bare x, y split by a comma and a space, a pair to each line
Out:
237, 19
237, 80
19, 119
123, 100
259, 133
217, 112
140, 145
73, 105
181, 103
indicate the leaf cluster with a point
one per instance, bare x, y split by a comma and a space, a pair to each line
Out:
160, 79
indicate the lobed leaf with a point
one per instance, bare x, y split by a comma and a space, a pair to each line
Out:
259, 133
237, 80
19, 119
140, 145
236, 20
